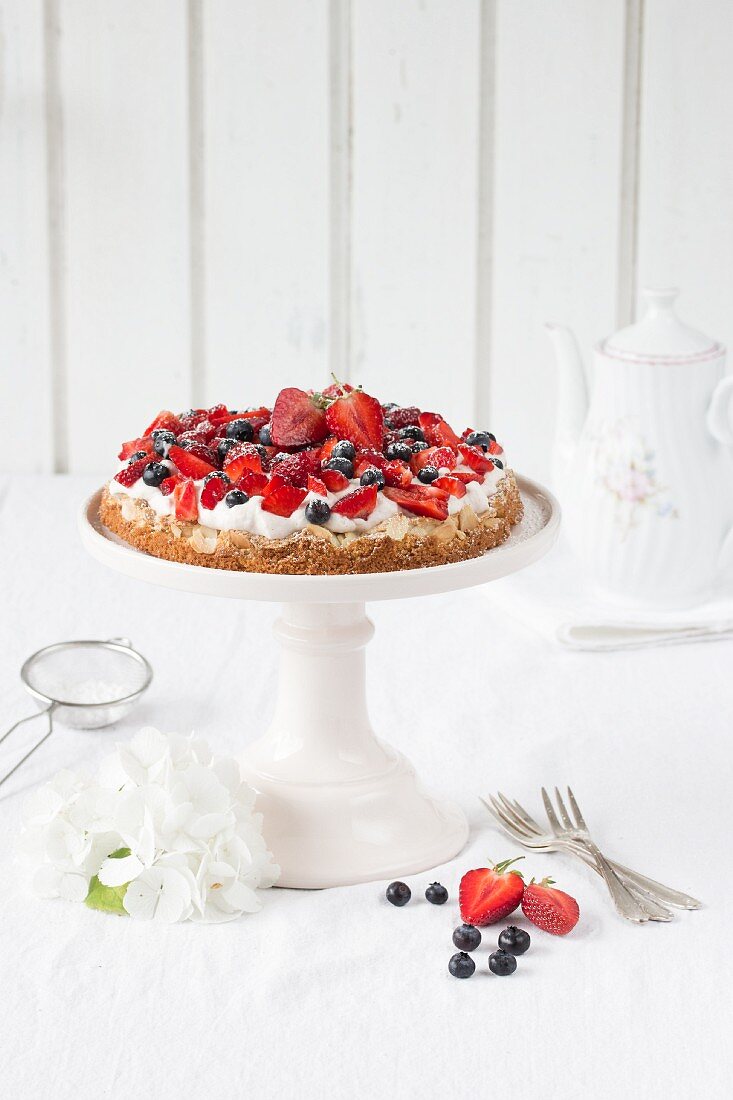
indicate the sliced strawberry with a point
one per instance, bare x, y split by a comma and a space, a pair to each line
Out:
421, 500
166, 487
466, 476
552, 910
192, 436
495, 448
189, 463
327, 447
437, 431
337, 388
240, 458
132, 473
167, 420
433, 456
315, 485
218, 414
189, 420
452, 485
475, 458
402, 418
359, 504
283, 500
334, 480
398, 474
184, 500
358, 417
367, 458
297, 418
489, 894
213, 491
194, 446
296, 468
254, 484
144, 443
206, 430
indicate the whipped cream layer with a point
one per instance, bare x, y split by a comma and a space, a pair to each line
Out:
251, 518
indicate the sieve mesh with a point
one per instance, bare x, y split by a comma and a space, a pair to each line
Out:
85, 673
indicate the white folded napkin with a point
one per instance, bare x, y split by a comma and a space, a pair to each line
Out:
552, 597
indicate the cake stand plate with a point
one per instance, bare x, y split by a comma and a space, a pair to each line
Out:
340, 806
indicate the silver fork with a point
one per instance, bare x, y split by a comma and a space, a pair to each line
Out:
631, 904
515, 820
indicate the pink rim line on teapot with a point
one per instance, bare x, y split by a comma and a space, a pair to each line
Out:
642, 459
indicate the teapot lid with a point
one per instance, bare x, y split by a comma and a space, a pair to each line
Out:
660, 336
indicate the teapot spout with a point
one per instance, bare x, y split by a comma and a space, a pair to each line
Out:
572, 402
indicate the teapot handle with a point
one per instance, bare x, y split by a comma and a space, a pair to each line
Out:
720, 412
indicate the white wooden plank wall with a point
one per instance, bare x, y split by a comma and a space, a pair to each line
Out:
204, 200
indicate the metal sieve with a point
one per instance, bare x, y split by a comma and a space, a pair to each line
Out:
85, 685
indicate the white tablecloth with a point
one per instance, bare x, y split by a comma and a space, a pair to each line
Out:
336, 993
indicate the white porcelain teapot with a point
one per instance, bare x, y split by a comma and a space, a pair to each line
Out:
644, 469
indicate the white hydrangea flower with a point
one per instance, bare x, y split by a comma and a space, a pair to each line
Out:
165, 832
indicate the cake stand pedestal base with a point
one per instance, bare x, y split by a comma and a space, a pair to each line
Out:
340, 806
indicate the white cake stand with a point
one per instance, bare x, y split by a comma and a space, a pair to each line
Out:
340, 806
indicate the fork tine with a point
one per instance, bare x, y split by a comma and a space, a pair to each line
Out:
507, 818
550, 811
563, 812
526, 817
576, 810
509, 828
513, 815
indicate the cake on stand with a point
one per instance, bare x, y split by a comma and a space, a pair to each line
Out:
340, 806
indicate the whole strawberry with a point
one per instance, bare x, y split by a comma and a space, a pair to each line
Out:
488, 894
552, 910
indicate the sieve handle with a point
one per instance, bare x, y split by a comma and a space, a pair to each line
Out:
48, 711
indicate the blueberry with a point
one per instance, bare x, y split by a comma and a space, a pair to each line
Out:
218, 473
155, 472
235, 497
497, 462
412, 432
514, 940
135, 457
502, 963
461, 965
466, 937
317, 511
344, 466
398, 893
419, 446
163, 440
428, 474
344, 449
265, 436
372, 476
261, 451
436, 894
401, 451
389, 405
224, 446
241, 430
479, 439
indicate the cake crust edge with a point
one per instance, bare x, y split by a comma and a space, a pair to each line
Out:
409, 543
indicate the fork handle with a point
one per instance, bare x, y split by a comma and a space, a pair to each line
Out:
648, 901
661, 892
626, 905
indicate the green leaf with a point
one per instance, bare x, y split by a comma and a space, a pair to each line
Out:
108, 899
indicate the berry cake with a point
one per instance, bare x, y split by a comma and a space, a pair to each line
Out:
330, 482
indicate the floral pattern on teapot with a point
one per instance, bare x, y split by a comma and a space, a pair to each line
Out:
625, 468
